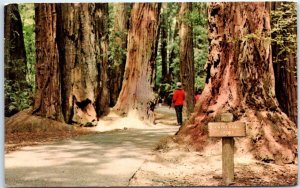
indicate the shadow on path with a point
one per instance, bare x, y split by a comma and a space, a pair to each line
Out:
104, 159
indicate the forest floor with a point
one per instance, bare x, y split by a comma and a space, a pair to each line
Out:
101, 158
23, 129
178, 165
183, 167
152, 160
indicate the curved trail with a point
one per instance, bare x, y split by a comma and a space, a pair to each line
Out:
104, 159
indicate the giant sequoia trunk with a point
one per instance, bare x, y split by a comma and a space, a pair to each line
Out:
137, 92
187, 56
120, 29
47, 99
15, 55
285, 66
83, 45
242, 82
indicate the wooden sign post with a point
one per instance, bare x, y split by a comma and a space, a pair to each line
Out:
227, 130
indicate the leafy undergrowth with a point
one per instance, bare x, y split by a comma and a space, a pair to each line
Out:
24, 129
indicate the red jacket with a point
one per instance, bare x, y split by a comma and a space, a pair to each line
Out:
178, 97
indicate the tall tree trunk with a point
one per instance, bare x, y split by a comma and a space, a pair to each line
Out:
242, 82
164, 39
155, 84
137, 93
285, 65
120, 29
100, 15
47, 99
172, 53
187, 56
172, 40
82, 44
15, 55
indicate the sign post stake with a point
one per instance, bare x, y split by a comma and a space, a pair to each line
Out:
227, 130
227, 159
227, 153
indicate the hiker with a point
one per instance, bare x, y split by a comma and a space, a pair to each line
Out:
178, 100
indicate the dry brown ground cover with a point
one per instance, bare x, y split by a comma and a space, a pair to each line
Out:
180, 165
24, 129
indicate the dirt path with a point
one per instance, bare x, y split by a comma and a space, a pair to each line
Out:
126, 157
104, 159
178, 165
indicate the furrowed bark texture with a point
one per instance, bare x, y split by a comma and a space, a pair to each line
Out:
286, 72
121, 19
187, 56
137, 92
81, 43
286, 86
47, 99
101, 32
14, 53
242, 82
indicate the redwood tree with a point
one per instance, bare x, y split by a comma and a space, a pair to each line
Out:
119, 44
15, 55
242, 82
72, 44
186, 54
164, 43
284, 47
48, 98
82, 48
99, 21
137, 89
172, 52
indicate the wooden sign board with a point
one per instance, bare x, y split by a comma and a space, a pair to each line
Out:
221, 129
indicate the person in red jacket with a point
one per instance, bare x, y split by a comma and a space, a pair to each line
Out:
178, 100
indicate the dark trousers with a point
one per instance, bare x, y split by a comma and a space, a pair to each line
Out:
178, 110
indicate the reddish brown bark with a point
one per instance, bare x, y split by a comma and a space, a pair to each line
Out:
82, 48
47, 99
187, 56
101, 28
137, 92
242, 82
119, 35
285, 68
